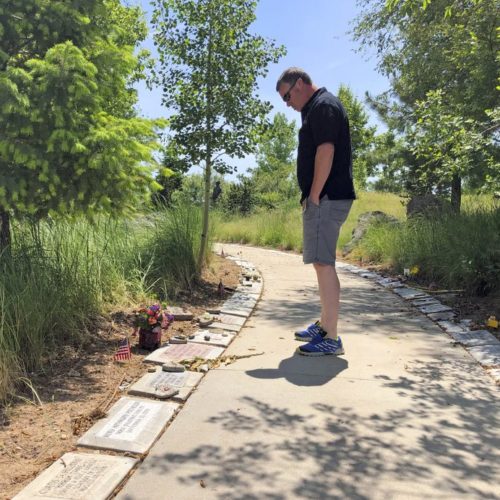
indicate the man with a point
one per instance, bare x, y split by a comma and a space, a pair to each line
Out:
324, 174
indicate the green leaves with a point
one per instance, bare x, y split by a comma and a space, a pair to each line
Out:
69, 140
209, 69
440, 55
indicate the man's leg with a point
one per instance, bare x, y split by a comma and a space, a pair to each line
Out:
329, 292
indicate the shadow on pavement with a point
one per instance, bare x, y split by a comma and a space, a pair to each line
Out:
352, 453
304, 371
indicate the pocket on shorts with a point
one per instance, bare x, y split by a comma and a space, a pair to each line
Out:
311, 211
339, 210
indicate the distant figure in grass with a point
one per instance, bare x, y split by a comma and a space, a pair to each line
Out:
324, 174
216, 192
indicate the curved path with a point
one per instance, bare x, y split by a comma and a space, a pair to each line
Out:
403, 415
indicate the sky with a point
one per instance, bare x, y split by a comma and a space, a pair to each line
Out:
315, 34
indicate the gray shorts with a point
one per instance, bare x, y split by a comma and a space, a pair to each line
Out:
321, 226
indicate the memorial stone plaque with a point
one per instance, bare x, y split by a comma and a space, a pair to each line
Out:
214, 338
231, 320
434, 308
79, 476
244, 306
475, 338
441, 316
181, 352
450, 327
235, 311
425, 301
390, 283
409, 293
224, 326
242, 298
184, 382
132, 425
487, 355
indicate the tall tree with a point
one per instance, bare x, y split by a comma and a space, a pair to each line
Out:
274, 177
68, 139
210, 63
447, 45
362, 135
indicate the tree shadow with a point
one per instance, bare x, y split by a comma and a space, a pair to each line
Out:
445, 439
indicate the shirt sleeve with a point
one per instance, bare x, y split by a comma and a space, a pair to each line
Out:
325, 124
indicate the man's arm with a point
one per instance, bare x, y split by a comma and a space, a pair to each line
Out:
322, 167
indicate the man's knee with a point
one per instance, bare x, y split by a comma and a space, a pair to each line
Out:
321, 266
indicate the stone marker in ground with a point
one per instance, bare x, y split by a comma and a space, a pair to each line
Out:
183, 383
244, 306
235, 311
180, 314
208, 337
248, 293
425, 301
242, 298
441, 316
79, 476
228, 319
487, 355
225, 327
181, 352
434, 308
475, 338
131, 425
390, 283
450, 327
409, 293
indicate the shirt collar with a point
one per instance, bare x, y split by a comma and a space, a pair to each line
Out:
308, 104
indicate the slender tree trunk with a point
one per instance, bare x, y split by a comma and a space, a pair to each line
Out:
206, 210
208, 157
456, 193
4, 230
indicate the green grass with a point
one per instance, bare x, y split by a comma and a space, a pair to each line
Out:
458, 251
282, 228
61, 275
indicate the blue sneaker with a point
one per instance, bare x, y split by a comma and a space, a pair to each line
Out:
322, 348
312, 333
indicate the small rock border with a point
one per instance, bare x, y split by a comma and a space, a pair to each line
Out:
480, 344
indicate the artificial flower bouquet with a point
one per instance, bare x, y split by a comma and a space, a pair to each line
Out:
150, 321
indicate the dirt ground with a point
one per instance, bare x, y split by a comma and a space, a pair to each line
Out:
82, 383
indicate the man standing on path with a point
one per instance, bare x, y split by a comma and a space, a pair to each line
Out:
324, 174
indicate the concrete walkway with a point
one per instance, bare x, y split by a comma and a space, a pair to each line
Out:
403, 415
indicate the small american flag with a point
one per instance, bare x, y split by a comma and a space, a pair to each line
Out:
123, 351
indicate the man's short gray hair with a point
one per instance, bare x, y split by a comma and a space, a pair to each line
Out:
291, 75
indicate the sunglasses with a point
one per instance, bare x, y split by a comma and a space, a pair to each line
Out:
286, 95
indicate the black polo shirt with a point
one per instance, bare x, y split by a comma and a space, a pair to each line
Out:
324, 120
